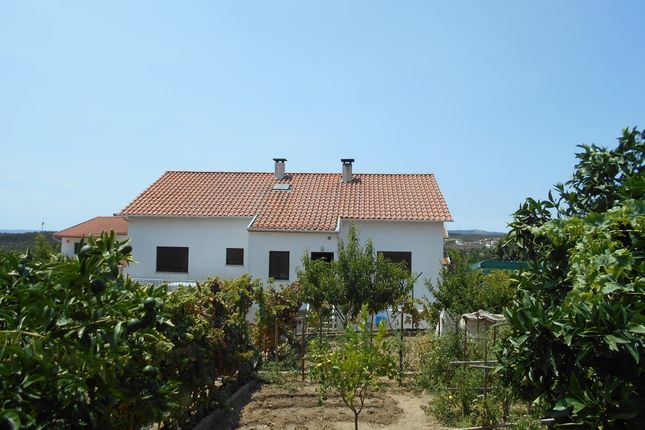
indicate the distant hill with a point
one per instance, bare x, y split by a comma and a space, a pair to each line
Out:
22, 241
481, 233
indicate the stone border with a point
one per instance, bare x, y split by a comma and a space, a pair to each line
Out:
235, 401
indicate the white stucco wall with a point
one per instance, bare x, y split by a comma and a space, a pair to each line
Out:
67, 244
260, 243
206, 239
423, 239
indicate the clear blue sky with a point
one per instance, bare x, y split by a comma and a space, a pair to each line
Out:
98, 100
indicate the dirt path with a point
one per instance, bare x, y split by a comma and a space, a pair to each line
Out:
294, 406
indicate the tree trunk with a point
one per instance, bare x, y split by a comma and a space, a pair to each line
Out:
355, 420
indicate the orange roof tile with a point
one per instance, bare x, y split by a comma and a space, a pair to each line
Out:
314, 202
96, 226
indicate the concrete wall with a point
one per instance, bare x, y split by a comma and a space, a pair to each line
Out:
67, 244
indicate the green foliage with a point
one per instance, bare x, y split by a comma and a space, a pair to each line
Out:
527, 422
462, 289
436, 354
359, 276
577, 327
42, 249
457, 396
318, 287
353, 369
212, 343
275, 320
20, 242
80, 342
507, 250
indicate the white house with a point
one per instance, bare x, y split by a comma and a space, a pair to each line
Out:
71, 237
187, 226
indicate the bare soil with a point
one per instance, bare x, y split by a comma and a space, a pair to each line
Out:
294, 405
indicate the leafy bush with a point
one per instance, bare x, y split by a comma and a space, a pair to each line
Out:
81, 344
212, 344
275, 321
577, 327
463, 290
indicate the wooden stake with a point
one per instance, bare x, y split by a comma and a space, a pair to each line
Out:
302, 348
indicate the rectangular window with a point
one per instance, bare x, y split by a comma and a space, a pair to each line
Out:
327, 256
172, 259
77, 247
398, 256
234, 256
279, 265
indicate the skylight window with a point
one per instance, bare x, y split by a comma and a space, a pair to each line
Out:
282, 187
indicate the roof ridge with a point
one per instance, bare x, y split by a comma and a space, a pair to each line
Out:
294, 173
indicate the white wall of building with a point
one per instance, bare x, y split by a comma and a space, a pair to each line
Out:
67, 244
260, 243
206, 239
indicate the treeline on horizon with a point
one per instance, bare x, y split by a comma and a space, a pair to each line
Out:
22, 241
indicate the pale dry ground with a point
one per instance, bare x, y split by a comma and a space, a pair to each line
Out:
294, 406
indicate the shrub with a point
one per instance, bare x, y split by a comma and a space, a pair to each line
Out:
577, 327
80, 343
275, 321
212, 344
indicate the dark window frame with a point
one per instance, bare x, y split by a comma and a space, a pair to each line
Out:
171, 265
279, 265
327, 256
235, 256
398, 256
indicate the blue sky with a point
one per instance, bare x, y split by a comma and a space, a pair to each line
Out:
98, 100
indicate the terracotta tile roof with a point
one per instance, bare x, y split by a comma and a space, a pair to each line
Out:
96, 226
314, 202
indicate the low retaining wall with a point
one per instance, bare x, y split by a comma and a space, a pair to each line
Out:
236, 401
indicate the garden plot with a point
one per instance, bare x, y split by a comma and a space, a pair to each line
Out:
294, 405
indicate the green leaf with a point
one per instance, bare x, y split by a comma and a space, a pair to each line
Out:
569, 404
636, 328
118, 331
612, 341
10, 419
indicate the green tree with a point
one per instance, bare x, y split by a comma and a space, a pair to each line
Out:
462, 289
365, 277
42, 249
355, 367
317, 286
577, 326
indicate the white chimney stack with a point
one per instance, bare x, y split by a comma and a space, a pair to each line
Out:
347, 169
279, 167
